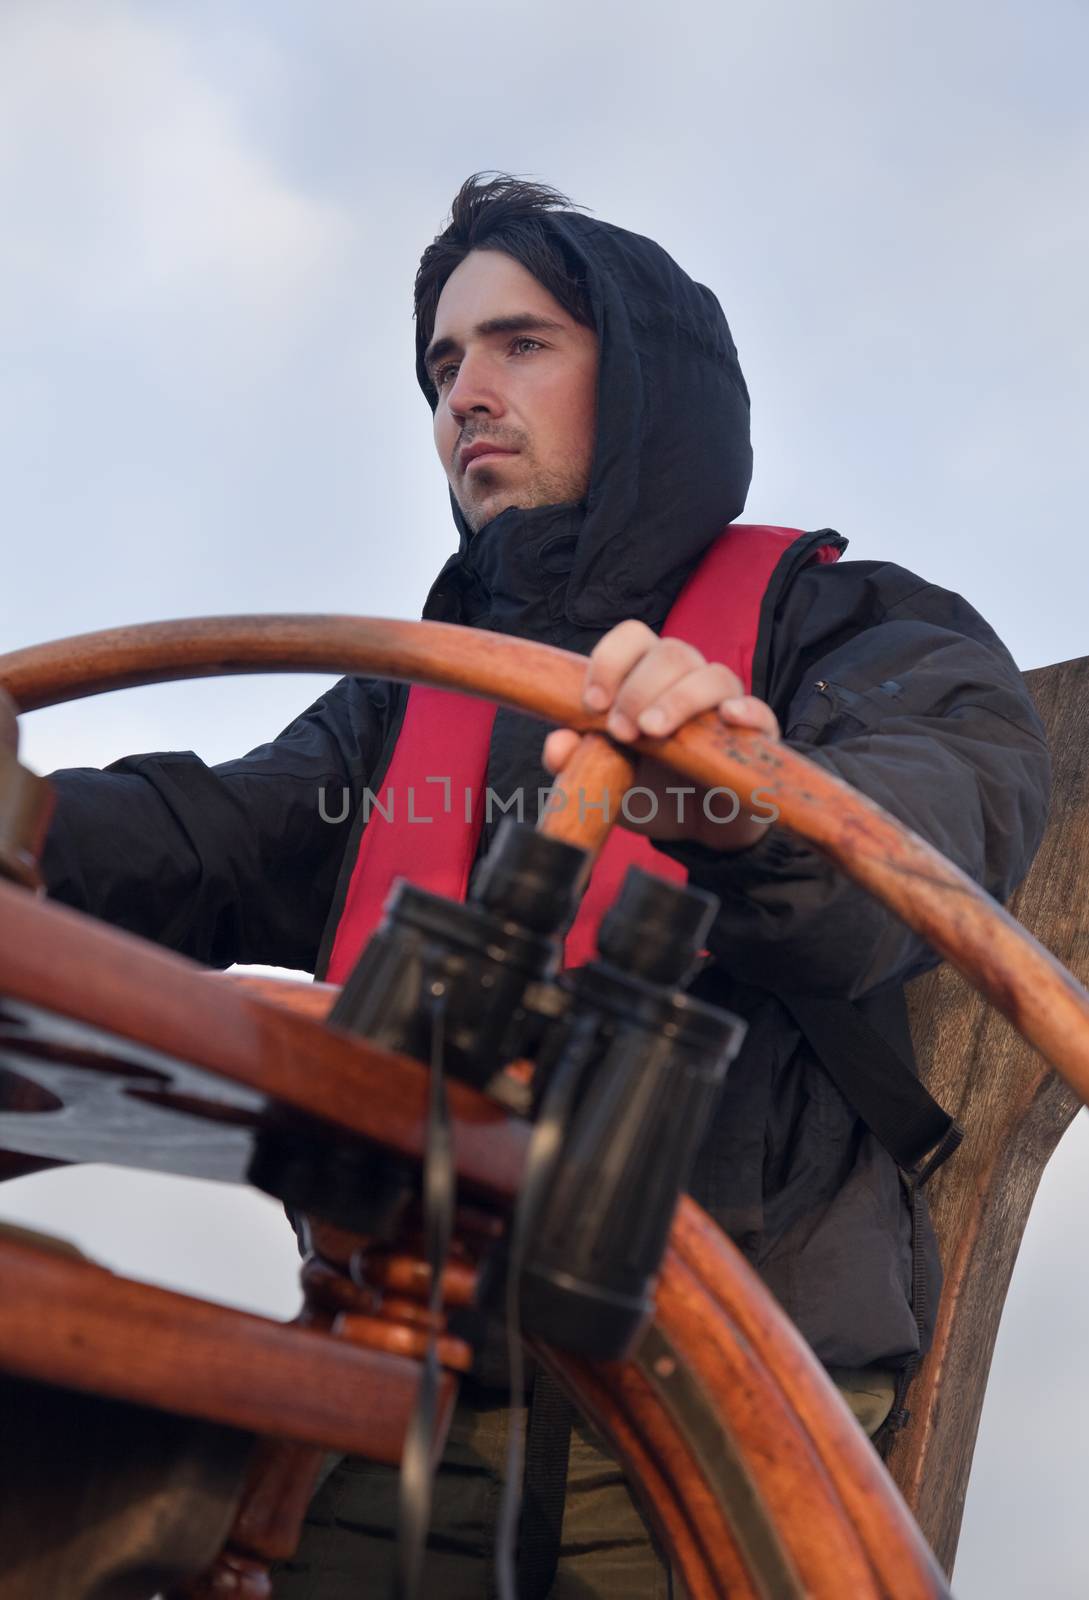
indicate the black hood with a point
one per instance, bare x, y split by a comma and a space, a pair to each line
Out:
672, 460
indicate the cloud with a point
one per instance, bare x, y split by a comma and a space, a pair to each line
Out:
128, 181
168, 296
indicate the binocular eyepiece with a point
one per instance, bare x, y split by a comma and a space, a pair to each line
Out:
494, 955
635, 1070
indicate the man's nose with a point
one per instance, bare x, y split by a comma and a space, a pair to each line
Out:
473, 391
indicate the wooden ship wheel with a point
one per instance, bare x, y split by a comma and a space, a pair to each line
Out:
741, 1452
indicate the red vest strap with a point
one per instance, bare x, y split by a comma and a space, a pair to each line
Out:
447, 735
718, 611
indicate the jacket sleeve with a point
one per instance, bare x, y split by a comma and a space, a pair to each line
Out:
905, 692
235, 862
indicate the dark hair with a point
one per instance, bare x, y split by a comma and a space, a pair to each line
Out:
495, 211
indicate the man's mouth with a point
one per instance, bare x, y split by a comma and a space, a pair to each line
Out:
482, 450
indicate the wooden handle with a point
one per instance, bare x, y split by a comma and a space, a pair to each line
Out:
588, 792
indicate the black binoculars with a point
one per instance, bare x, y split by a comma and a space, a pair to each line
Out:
627, 1067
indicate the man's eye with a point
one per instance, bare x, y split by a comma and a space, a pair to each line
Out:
444, 374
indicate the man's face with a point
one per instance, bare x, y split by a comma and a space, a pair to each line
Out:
514, 372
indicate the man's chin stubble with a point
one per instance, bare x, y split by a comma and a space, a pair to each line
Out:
554, 492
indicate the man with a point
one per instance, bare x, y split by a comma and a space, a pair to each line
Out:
592, 419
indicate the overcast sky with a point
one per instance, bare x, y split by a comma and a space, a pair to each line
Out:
212, 217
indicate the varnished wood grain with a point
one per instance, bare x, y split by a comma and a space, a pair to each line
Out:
70, 1323
818, 1542
900, 1558
1014, 1110
694, 1528
838, 1526
597, 771
280, 1484
381, 1333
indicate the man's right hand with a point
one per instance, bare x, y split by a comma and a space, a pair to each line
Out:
650, 686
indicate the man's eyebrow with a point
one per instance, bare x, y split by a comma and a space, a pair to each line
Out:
516, 322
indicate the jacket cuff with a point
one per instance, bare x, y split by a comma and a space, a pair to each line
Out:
778, 854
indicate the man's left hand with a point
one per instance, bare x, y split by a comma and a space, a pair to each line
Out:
650, 686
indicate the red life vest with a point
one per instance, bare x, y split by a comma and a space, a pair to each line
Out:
439, 765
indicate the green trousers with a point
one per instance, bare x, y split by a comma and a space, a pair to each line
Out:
348, 1548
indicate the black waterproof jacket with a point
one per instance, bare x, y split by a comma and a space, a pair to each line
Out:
897, 686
